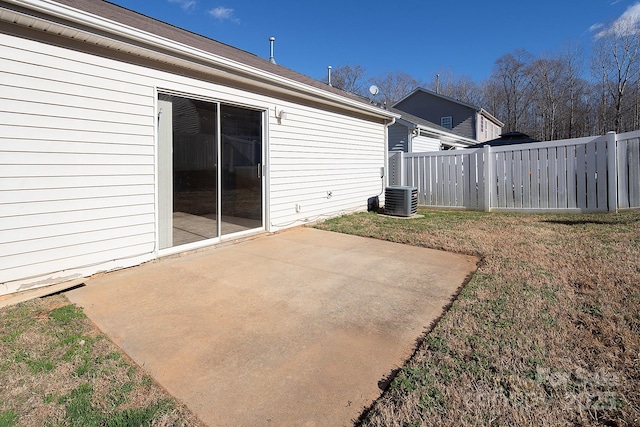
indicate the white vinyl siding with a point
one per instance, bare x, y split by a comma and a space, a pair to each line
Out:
76, 166
314, 152
487, 130
78, 190
420, 144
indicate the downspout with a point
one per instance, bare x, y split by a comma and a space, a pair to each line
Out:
385, 176
414, 132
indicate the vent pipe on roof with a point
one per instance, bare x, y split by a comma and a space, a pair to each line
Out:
329, 75
271, 58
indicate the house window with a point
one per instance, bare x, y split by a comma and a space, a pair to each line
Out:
446, 122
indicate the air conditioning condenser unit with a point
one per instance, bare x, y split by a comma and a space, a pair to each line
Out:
401, 201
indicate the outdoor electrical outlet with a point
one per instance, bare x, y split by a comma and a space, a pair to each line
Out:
298, 207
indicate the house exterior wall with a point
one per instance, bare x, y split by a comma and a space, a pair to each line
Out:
486, 129
433, 108
398, 137
420, 144
325, 162
402, 139
78, 160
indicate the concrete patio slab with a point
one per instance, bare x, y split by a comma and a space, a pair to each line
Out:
295, 328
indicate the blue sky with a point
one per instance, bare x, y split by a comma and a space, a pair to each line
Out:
418, 37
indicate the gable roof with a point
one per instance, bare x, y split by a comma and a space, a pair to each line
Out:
479, 110
105, 24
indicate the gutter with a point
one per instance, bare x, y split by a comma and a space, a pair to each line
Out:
116, 33
446, 136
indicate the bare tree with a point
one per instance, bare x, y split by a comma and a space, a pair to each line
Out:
492, 97
462, 88
546, 97
548, 80
351, 78
616, 51
395, 86
575, 108
511, 75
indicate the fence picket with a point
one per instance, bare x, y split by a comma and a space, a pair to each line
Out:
508, 179
601, 175
535, 180
460, 182
633, 165
581, 176
450, 184
432, 187
498, 181
526, 179
552, 177
421, 181
544, 178
571, 177
591, 162
561, 160
623, 174
439, 181
467, 170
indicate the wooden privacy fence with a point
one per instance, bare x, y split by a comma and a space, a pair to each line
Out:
593, 174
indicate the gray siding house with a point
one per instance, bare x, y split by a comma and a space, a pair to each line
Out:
462, 119
412, 134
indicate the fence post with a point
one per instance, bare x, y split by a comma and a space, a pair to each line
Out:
395, 168
488, 172
403, 170
612, 167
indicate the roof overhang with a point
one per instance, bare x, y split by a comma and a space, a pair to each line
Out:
67, 22
489, 116
448, 137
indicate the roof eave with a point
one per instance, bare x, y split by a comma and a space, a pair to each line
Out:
162, 46
491, 117
450, 137
446, 136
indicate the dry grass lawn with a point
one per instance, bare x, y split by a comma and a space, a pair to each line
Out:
547, 332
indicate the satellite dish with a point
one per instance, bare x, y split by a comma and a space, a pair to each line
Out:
374, 90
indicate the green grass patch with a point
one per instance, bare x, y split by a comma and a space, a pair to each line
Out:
58, 370
8, 418
66, 314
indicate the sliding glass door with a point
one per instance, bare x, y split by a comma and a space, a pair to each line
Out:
199, 197
241, 169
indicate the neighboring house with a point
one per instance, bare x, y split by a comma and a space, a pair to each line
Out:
412, 134
461, 118
509, 138
124, 139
